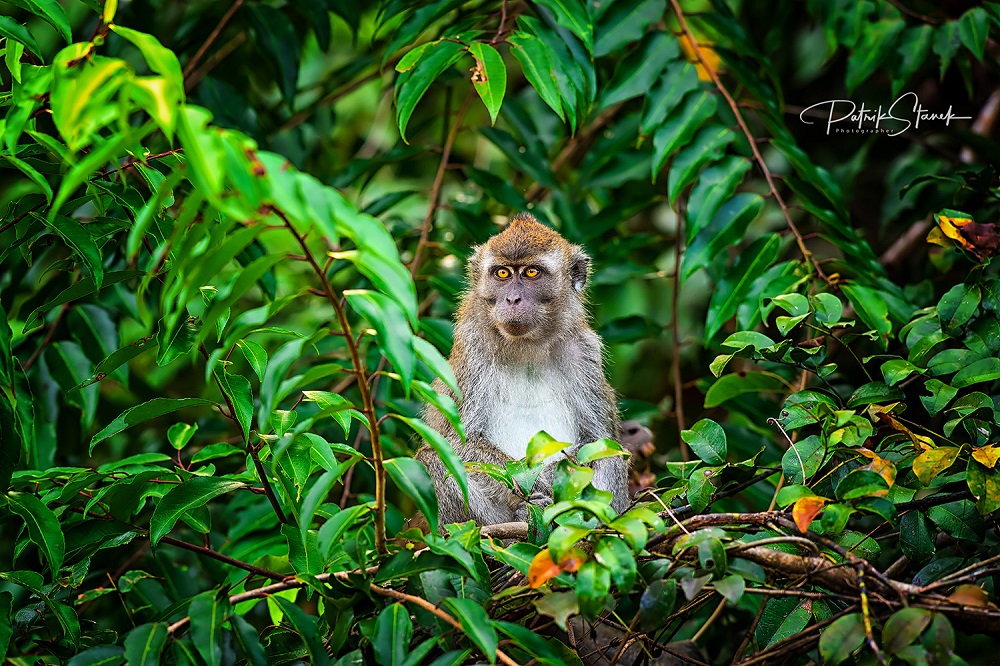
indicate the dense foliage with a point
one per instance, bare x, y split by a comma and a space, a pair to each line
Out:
232, 239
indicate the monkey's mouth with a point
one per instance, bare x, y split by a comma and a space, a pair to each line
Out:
515, 329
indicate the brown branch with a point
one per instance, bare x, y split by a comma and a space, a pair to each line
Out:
434, 610
216, 555
435, 196
696, 49
327, 100
217, 57
675, 343
48, 336
368, 403
211, 38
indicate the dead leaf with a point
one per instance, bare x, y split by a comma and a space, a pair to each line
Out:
970, 595
882, 467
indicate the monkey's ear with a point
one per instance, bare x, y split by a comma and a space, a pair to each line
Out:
579, 269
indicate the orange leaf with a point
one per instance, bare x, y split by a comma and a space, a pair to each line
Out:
969, 595
987, 455
805, 509
543, 568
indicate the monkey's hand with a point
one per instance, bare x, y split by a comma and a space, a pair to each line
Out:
539, 499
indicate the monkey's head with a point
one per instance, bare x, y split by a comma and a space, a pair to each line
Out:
530, 280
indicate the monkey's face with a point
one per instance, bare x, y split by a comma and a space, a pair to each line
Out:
521, 296
530, 280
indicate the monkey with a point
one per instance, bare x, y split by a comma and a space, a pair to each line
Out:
526, 360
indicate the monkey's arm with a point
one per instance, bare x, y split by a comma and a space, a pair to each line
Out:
601, 421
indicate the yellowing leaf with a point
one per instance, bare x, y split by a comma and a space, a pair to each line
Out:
987, 455
805, 509
931, 463
711, 58
880, 466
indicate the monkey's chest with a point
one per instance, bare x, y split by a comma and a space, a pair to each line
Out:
529, 402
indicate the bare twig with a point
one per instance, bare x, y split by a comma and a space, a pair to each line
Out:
696, 49
211, 38
368, 402
435, 195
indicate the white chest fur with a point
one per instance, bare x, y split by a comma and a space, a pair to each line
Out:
530, 399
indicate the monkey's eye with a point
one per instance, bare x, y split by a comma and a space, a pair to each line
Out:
502, 273
531, 272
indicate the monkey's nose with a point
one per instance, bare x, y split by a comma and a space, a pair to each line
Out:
514, 299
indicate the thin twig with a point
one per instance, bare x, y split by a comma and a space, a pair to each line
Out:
432, 609
675, 327
216, 555
211, 37
696, 49
48, 336
368, 403
435, 195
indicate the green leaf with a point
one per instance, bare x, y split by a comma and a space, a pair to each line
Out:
179, 434
678, 129
413, 83
490, 66
624, 23
877, 42
803, 459
537, 64
451, 461
861, 483
593, 583
656, 603
572, 15
144, 412
476, 624
731, 291
731, 587
874, 393
707, 440
279, 44
208, 611
306, 626
983, 370
871, 308
616, 556
237, 389
53, 14
973, 29
44, 529
28, 170
958, 519
984, 484
636, 74
392, 331
103, 655
11, 29
841, 638
602, 448
393, 632
543, 446
941, 395
957, 306
734, 385
246, 635
144, 644
904, 627
160, 96
194, 492
896, 370
414, 480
